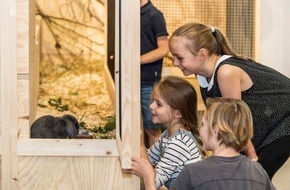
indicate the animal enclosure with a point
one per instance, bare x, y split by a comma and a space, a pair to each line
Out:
81, 163
72, 76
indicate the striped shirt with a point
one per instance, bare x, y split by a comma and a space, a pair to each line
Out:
169, 155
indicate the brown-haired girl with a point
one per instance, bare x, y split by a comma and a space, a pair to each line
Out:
174, 104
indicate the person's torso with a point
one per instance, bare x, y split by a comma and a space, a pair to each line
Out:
152, 26
268, 99
235, 173
185, 148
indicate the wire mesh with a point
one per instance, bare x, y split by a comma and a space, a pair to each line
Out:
234, 18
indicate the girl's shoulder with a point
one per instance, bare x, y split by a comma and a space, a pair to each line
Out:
228, 70
183, 136
181, 132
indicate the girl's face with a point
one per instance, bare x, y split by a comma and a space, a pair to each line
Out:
183, 58
207, 139
161, 112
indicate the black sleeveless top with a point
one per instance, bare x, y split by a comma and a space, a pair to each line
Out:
268, 99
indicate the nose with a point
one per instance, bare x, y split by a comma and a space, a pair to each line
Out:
151, 106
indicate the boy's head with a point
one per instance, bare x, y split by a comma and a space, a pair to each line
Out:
232, 119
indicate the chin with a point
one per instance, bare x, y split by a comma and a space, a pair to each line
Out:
186, 73
155, 122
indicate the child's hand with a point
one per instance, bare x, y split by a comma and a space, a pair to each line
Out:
141, 168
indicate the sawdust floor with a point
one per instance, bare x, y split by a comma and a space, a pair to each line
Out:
80, 91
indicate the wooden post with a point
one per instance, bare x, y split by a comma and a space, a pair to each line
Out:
127, 57
8, 56
31, 163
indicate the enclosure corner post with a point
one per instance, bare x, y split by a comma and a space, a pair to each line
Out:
8, 56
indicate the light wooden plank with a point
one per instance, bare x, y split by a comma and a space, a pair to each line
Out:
130, 80
23, 36
23, 106
72, 173
110, 84
35, 55
117, 77
8, 39
67, 147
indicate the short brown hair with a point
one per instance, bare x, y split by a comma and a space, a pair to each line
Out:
234, 120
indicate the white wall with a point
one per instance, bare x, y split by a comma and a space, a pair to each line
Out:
275, 35
274, 51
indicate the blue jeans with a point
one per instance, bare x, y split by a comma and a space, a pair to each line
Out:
146, 91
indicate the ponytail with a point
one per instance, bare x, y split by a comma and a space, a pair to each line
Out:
200, 36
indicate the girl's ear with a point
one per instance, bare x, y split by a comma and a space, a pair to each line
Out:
202, 54
177, 114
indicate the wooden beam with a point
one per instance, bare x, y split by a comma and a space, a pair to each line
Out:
8, 56
67, 147
128, 76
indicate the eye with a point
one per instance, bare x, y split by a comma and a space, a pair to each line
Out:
158, 103
178, 58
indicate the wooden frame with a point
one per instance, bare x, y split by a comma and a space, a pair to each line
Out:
127, 64
8, 32
23, 159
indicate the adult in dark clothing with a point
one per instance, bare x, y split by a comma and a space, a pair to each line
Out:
154, 47
203, 50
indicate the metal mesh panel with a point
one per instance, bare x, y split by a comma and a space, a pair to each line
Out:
240, 26
234, 18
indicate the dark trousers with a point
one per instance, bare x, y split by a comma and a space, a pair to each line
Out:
273, 156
